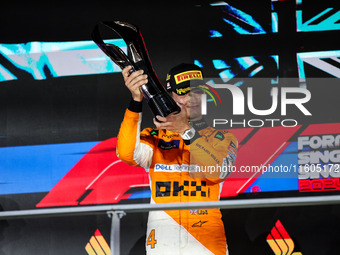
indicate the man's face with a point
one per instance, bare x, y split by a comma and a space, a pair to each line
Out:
191, 102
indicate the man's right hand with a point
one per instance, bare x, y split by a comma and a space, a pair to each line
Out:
134, 81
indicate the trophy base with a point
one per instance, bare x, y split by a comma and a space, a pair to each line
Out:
163, 105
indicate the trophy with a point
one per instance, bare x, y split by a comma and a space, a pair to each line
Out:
160, 102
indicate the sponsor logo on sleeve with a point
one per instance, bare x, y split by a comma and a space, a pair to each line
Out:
233, 145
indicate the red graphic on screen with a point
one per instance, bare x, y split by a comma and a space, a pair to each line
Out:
262, 148
98, 178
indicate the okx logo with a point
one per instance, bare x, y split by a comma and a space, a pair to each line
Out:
280, 242
97, 245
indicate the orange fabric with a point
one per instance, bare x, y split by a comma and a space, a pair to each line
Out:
171, 180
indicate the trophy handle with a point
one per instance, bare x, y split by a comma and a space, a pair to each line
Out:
160, 102
112, 51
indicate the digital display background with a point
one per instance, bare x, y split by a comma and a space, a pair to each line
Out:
62, 100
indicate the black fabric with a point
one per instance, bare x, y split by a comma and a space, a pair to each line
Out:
192, 76
135, 106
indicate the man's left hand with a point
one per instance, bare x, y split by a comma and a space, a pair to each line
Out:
174, 122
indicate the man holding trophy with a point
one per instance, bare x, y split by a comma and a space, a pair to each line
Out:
187, 160
166, 152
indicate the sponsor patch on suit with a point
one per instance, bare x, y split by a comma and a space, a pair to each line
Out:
174, 144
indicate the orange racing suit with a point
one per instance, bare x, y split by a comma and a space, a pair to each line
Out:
168, 159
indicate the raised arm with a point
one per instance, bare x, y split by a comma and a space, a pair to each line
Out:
133, 146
